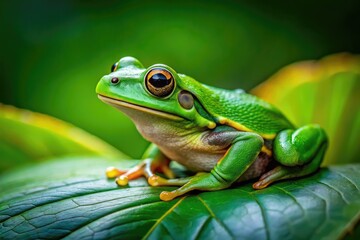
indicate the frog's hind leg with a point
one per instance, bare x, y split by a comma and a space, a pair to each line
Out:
299, 152
242, 150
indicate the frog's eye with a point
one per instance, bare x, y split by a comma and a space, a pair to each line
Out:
159, 82
114, 67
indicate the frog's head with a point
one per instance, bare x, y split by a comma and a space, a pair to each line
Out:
157, 90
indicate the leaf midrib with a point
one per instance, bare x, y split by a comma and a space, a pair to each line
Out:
163, 217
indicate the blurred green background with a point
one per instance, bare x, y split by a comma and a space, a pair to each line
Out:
54, 52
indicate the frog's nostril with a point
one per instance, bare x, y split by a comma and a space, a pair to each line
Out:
115, 80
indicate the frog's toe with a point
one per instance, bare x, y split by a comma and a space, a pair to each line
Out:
261, 184
267, 178
146, 168
122, 181
159, 181
168, 196
201, 181
156, 180
112, 172
135, 172
167, 171
189, 186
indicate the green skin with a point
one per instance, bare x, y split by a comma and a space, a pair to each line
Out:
224, 135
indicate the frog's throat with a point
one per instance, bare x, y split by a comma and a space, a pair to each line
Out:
117, 102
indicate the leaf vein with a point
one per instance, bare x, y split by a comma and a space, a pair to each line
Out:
163, 217
53, 188
202, 227
55, 216
337, 191
59, 200
326, 217
266, 225
347, 178
214, 216
293, 198
86, 225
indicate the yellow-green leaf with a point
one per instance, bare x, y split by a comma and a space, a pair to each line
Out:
72, 198
326, 92
26, 136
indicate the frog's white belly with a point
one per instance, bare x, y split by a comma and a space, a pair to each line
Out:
183, 147
195, 158
198, 156
189, 149
186, 145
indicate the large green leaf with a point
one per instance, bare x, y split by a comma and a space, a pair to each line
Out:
26, 136
326, 92
72, 198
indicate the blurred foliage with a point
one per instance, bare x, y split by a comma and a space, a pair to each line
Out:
54, 52
27, 137
326, 92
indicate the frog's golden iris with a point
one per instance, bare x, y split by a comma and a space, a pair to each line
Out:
114, 67
159, 82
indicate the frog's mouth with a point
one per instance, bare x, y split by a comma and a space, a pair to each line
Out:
121, 103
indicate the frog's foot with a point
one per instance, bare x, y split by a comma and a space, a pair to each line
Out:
113, 172
276, 174
146, 168
299, 152
201, 181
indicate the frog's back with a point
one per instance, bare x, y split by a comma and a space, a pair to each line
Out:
240, 110
247, 112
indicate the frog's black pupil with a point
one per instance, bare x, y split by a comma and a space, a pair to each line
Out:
159, 80
114, 80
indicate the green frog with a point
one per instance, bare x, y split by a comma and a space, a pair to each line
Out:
224, 136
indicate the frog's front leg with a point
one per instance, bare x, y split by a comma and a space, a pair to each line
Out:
153, 161
243, 148
299, 152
